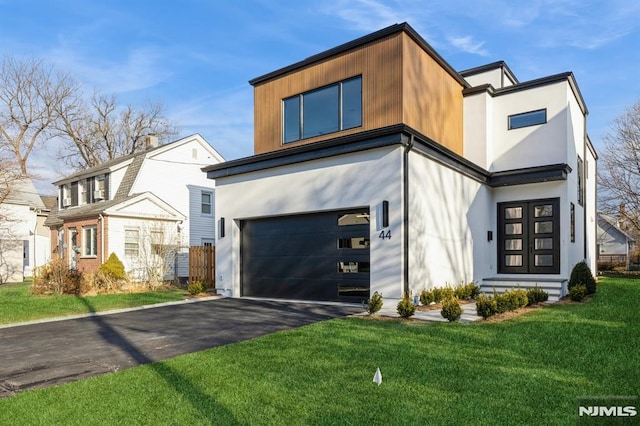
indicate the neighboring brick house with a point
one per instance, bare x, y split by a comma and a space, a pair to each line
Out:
378, 167
147, 208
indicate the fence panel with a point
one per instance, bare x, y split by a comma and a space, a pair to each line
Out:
202, 264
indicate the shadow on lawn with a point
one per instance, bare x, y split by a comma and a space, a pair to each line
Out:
206, 406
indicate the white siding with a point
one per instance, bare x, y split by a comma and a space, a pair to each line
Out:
354, 180
203, 226
14, 239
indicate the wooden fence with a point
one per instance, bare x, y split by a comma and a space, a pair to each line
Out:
202, 264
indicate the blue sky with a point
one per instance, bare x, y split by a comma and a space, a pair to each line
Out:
196, 56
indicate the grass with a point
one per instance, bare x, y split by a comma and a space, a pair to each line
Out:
527, 370
18, 304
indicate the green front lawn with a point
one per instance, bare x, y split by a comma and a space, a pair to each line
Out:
527, 370
18, 304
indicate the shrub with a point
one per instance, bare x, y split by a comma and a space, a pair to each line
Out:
536, 295
577, 292
466, 291
581, 274
113, 268
451, 309
195, 287
442, 293
406, 308
374, 304
57, 278
486, 306
519, 298
503, 302
426, 297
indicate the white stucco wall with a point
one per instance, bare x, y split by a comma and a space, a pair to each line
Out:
449, 216
354, 180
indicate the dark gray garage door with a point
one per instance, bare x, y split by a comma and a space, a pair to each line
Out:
320, 256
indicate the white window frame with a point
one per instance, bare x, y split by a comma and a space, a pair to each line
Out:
203, 204
90, 236
129, 241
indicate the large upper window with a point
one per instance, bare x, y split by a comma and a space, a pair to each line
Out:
322, 111
526, 119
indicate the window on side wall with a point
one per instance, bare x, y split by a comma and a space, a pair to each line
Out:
89, 241
526, 119
206, 203
322, 111
131, 242
580, 181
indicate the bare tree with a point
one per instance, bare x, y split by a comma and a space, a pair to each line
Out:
101, 130
619, 169
30, 94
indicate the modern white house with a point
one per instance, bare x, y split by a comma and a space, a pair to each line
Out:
24, 240
378, 167
148, 208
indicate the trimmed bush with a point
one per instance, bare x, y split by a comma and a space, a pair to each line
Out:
426, 297
113, 268
577, 292
519, 298
374, 304
195, 287
466, 291
406, 308
536, 295
441, 293
451, 309
581, 274
486, 306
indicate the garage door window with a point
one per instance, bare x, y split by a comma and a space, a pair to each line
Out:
353, 267
353, 219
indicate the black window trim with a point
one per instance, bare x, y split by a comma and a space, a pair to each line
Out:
300, 96
528, 237
510, 127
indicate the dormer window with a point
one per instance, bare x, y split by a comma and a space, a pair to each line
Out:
66, 195
322, 111
99, 193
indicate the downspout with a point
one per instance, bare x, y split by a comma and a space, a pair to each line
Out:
101, 219
405, 207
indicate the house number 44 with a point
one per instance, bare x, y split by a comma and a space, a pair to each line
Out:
385, 235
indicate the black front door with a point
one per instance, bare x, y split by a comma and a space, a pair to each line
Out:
529, 237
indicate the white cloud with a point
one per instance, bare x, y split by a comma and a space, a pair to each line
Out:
366, 15
469, 45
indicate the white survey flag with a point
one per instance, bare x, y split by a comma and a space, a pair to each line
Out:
377, 378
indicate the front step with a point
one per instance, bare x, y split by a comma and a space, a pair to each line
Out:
556, 288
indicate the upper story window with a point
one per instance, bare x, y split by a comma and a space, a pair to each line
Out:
322, 111
580, 181
525, 119
206, 203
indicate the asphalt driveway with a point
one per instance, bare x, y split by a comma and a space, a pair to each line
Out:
40, 355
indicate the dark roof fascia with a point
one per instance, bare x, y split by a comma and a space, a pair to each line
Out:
544, 81
592, 148
359, 42
338, 146
489, 67
538, 174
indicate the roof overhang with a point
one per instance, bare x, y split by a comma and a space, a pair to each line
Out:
538, 174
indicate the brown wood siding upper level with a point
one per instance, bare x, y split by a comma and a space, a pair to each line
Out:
401, 83
432, 99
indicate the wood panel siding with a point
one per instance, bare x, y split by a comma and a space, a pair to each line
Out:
380, 65
401, 84
432, 99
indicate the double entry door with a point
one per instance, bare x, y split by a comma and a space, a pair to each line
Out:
529, 237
